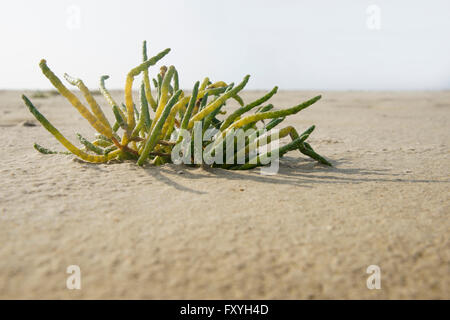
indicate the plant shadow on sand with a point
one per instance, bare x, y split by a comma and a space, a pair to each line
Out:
292, 171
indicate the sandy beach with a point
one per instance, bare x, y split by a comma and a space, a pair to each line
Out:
179, 232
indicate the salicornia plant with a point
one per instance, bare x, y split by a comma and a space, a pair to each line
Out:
170, 125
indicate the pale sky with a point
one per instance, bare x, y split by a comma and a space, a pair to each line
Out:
321, 44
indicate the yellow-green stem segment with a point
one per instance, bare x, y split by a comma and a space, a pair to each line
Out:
66, 143
129, 85
96, 123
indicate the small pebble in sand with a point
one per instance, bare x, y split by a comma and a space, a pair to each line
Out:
28, 123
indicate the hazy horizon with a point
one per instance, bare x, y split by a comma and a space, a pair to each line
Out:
297, 45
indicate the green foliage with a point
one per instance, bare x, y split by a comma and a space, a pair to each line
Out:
150, 134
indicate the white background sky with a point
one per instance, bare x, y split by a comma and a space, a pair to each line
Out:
321, 44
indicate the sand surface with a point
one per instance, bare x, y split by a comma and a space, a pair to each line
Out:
176, 232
